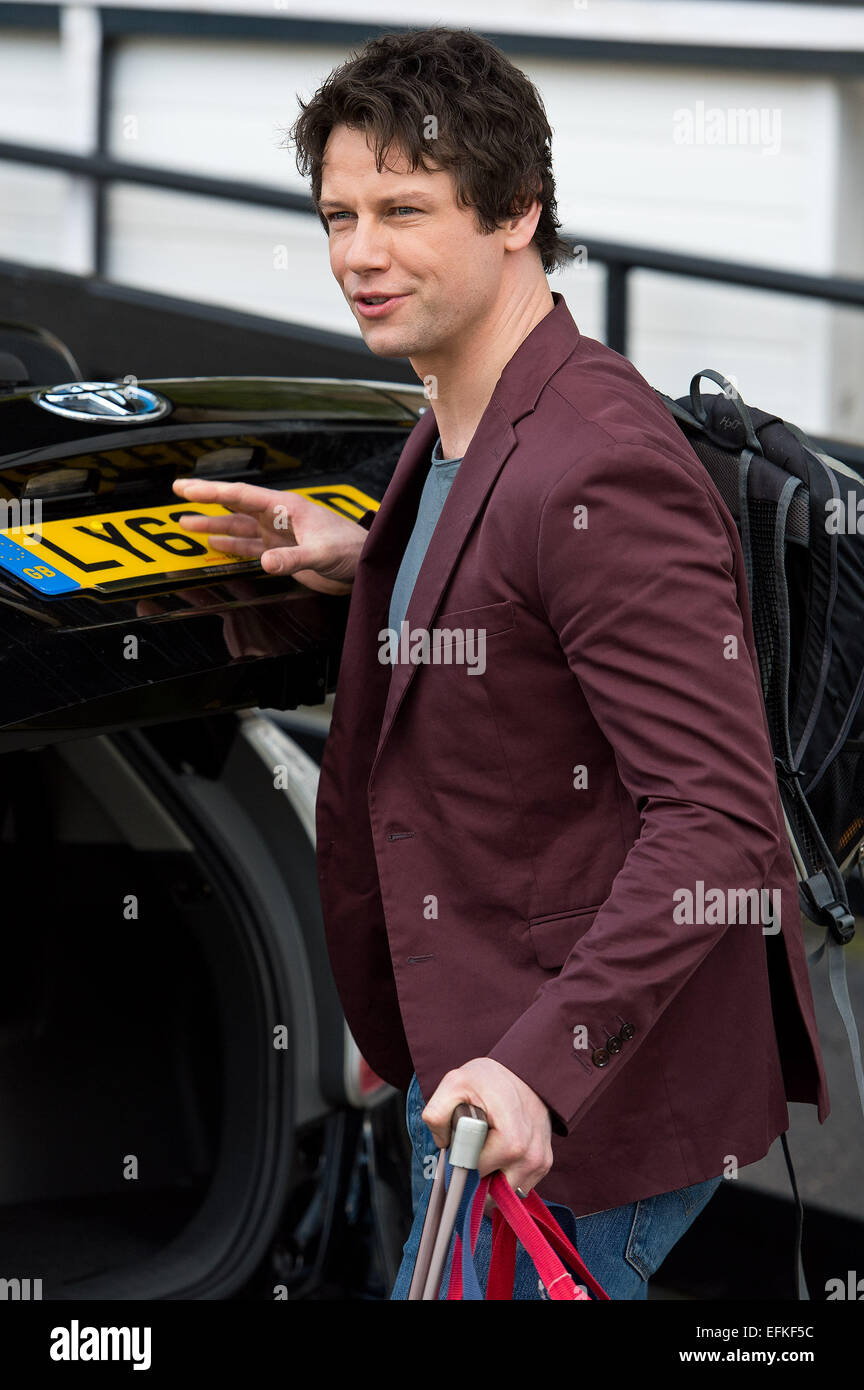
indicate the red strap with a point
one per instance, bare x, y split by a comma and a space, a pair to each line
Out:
502, 1263
532, 1222
454, 1286
558, 1283
560, 1242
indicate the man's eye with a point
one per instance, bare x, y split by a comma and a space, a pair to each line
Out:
334, 216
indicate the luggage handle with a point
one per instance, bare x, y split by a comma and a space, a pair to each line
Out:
539, 1231
468, 1130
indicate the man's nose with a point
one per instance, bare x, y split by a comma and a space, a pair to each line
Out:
368, 246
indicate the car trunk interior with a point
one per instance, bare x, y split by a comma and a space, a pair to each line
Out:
130, 1052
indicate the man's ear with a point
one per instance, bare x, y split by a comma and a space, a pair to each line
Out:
523, 222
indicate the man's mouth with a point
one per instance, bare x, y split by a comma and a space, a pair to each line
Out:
375, 306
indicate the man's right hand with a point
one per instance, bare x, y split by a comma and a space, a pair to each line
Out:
288, 533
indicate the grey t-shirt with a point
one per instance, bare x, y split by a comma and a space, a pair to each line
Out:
438, 480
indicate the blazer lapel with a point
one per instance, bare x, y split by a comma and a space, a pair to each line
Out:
524, 376
493, 440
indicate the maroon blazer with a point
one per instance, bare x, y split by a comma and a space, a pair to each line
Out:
505, 855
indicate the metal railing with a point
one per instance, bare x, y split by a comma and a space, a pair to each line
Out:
619, 260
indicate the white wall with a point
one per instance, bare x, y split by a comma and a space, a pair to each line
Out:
224, 109
846, 361
623, 176
762, 23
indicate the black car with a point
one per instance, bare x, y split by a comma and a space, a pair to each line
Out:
184, 1114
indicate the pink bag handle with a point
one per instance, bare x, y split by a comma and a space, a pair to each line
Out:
530, 1221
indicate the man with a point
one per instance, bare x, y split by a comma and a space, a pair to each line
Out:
527, 802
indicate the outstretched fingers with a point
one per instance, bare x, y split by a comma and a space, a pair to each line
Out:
229, 524
245, 497
237, 545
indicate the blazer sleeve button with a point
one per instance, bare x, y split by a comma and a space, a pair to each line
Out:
613, 1043
626, 1031
600, 1057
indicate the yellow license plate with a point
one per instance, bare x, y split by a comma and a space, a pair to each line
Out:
118, 550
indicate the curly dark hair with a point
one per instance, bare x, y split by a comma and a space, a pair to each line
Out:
492, 132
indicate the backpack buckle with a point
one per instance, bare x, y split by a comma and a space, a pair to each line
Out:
842, 923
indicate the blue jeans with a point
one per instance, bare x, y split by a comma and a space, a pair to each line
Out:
622, 1246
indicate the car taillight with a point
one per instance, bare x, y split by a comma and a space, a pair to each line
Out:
363, 1086
368, 1079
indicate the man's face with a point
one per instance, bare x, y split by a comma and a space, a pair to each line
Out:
402, 234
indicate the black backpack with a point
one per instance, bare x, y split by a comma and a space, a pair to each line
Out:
797, 513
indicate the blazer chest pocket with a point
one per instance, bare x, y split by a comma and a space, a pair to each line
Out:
554, 935
491, 617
